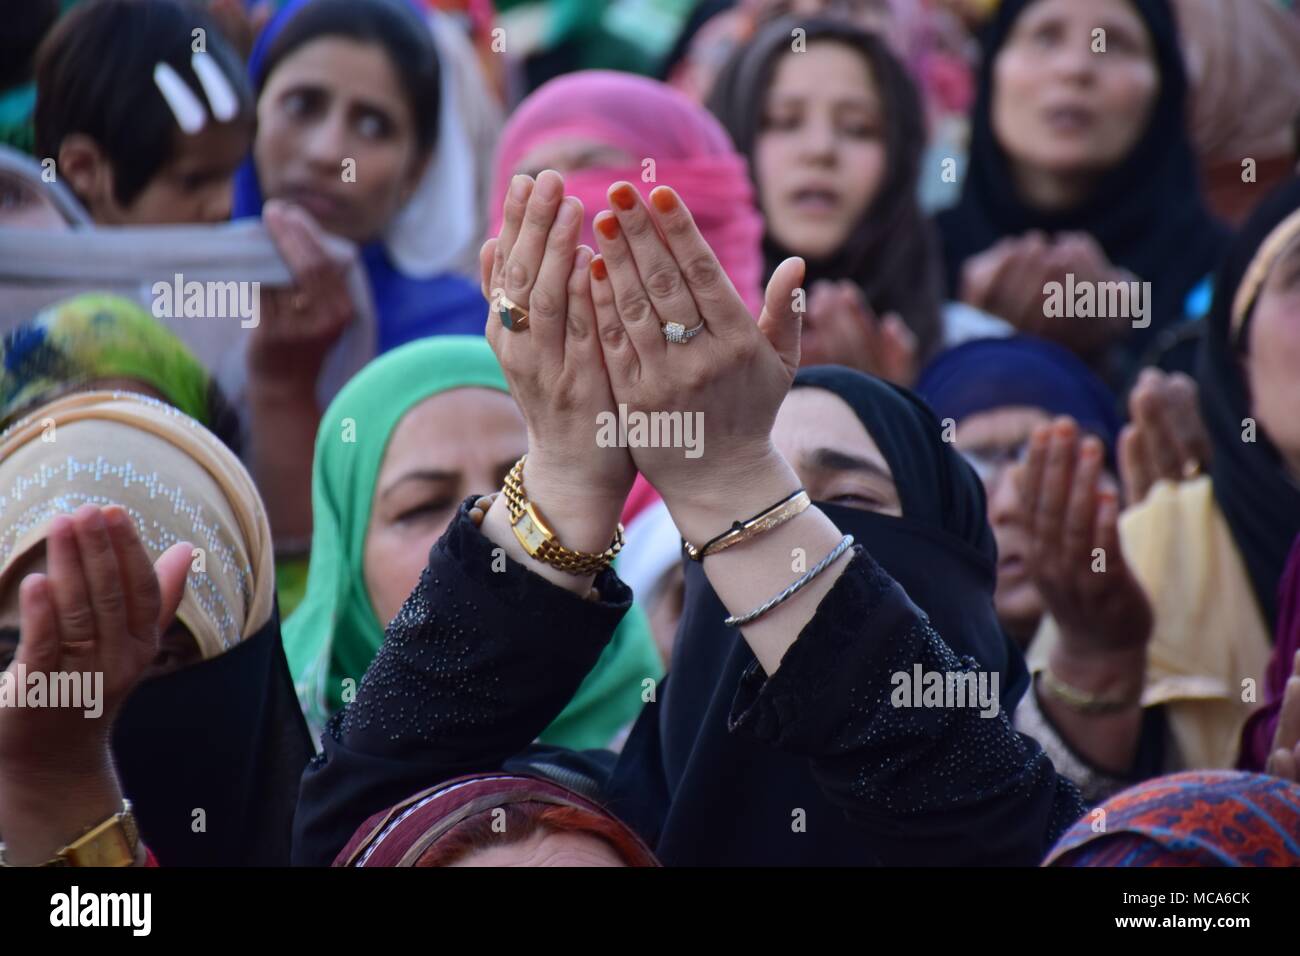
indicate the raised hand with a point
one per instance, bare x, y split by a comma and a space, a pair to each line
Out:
656, 270
554, 366
299, 326
1104, 616
1165, 439
1073, 529
840, 328
678, 340
1010, 279
286, 353
98, 610
1006, 279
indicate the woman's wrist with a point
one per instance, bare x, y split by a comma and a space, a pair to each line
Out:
581, 511
1113, 674
745, 486
42, 812
582, 518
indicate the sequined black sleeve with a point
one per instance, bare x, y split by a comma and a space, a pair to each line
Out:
481, 658
933, 784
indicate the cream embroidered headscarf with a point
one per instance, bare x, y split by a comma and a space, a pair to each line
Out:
174, 478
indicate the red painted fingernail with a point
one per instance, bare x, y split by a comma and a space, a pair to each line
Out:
598, 268
623, 196
607, 227
665, 199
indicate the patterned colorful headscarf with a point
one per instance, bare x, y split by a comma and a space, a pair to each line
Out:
95, 337
1200, 818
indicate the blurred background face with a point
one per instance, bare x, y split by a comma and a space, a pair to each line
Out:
572, 154
24, 207
1273, 360
445, 449
820, 154
992, 441
836, 459
194, 186
333, 100
1058, 107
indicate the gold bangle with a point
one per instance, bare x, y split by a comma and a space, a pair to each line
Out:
1084, 701
540, 541
778, 514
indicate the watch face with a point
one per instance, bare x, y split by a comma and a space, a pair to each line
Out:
529, 534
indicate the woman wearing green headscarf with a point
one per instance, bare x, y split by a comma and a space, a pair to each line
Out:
402, 445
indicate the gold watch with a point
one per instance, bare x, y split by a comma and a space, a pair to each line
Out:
115, 842
539, 540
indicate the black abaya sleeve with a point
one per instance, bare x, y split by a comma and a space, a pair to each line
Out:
932, 785
476, 664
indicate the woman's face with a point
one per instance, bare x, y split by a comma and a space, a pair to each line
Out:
820, 155
445, 449
993, 441
1273, 359
336, 136
1060, 109
836, 459
571, 154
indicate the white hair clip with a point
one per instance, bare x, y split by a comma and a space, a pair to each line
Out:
220, 94
185, 106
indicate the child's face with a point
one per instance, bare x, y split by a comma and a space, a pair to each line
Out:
195, 186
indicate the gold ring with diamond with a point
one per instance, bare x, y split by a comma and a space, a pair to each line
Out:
679, 334
512, 315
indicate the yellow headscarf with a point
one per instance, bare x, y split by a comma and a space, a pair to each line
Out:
175, 480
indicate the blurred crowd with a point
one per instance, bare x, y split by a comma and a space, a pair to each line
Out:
988, 312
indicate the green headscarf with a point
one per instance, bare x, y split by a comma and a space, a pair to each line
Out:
334, 634
93, 337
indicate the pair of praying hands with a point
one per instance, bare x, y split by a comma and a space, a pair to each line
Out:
99, 609
595, 341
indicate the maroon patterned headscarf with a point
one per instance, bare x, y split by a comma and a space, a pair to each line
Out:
453, 819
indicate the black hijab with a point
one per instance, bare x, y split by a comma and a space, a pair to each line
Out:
226, 737
1259, 501
891, 253
1146, 213
941, 551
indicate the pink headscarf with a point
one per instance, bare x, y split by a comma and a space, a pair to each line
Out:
691, 152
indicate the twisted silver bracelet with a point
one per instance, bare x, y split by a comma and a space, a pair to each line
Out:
845, 543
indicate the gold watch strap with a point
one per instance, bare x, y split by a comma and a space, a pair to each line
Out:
113, 843
537, 538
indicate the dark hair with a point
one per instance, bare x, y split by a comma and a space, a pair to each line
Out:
392, 24
95, 76
891, 253
25, 24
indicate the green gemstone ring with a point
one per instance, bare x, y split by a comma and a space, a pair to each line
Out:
513, 316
